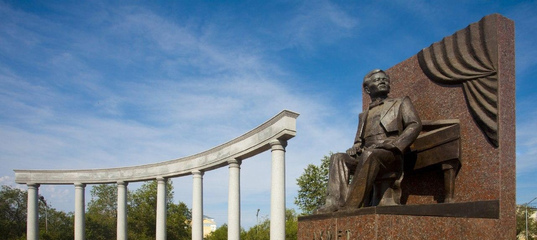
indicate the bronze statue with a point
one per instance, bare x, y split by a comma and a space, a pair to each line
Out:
385, 131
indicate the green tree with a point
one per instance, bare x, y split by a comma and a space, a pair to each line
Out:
312, 186
291, 224
219, 234
53, 224
101, 213
177, 223
12, 212
101, 216
142, 208
262, 231
142, 214
521, 222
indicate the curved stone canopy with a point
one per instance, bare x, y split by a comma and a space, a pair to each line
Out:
280, 127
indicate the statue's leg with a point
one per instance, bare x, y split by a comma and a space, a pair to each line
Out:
450, 173
388, 191
364, 178
388, 183
341, 165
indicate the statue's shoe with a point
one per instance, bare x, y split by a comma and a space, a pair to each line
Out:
326, 209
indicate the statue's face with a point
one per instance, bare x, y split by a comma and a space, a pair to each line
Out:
378, 84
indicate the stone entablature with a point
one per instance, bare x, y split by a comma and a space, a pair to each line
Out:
282, 127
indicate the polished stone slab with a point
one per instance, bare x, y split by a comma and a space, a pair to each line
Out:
481, 209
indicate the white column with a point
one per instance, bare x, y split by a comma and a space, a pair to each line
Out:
32, 217
277, 192
197, 205
80, 224
234, 201
122, 210
161, 208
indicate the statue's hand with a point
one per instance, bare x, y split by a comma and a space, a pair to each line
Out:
353, 151
389, 146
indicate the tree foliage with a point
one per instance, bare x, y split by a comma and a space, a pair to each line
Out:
312, 186
521, 222
291, 224
177, 222
219, 234
12, 212
53, 224
101, 218
101, 213
261, 231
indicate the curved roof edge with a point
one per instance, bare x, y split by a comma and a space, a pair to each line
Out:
280, 127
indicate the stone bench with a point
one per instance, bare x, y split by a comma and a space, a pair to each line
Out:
438, 145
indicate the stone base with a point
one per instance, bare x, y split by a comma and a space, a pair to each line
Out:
470, 220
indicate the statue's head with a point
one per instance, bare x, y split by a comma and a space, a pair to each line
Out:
377, 83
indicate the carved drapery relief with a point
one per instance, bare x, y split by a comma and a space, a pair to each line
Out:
470, 58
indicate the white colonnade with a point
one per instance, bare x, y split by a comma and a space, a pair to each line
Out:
161, 208
122, 210
277, 190
234, 205
197, 205
80, 210
32, 231
271, 135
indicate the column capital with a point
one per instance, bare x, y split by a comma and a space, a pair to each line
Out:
33, 185
234, 161
78, 184
122, 183
278, 144
161, 179
197, 172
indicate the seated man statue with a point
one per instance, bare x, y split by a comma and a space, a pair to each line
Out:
386, 129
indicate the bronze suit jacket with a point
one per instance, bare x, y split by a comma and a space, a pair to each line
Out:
398, 118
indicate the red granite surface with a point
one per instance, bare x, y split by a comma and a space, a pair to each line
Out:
487, 173
399, 227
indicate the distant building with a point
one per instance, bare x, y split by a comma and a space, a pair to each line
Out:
209, 225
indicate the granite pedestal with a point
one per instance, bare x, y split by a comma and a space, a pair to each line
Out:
484, 203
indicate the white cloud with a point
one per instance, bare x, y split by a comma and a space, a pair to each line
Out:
316, 22
6, 180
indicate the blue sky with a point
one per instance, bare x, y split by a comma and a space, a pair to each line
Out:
108, 84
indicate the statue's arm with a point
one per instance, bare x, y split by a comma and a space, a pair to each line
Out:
411, 125
357, 146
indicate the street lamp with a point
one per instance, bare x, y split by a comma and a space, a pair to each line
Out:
46, 212
257, 224
527, 216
